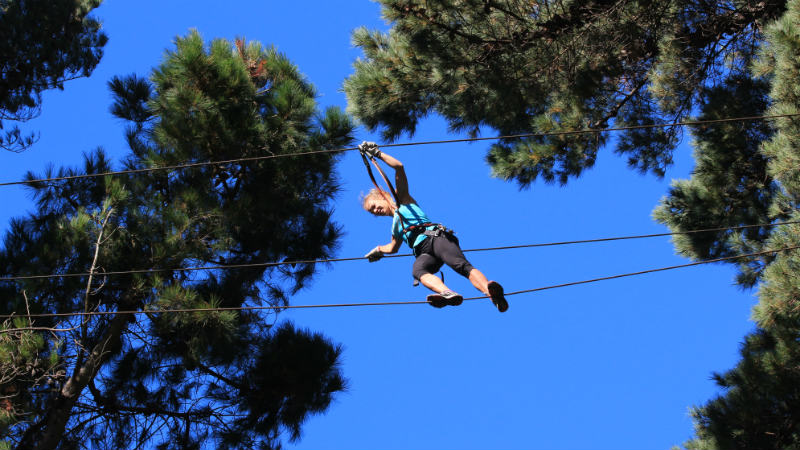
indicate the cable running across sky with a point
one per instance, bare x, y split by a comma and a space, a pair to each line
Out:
390, 303
401, 255
405, 144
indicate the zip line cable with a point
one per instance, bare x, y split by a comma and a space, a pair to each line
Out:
643, 272
269, 264
316, 261
405, 144
392, 303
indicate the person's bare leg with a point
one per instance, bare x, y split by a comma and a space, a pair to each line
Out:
433, 283
478, 279
439, 299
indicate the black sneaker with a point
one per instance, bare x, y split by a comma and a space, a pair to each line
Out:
436, 300
451, 298
446, 298
496, 294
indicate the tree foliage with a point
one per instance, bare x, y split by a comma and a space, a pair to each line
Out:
760, 406
730, 185
528, 66
182, 380
43, 44
761, 399
531, 66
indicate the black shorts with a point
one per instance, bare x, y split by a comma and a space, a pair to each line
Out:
437, 250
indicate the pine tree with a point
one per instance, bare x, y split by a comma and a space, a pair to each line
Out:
760, 403
181, 380
759, 408
525, 66
730, 184
541, 66
43, 44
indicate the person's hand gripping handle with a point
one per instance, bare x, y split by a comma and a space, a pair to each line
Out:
374, 254
370, 149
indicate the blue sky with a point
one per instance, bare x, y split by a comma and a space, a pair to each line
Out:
608, 365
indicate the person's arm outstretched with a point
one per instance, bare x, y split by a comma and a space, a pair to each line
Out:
400, 179
378, 252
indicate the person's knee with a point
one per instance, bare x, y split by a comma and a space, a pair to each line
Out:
419, 272
425, 264
463, 268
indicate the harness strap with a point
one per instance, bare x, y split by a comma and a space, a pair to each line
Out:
383, 175
422, 228
422, 225
367, 160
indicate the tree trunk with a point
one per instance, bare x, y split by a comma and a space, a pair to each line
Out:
47, 434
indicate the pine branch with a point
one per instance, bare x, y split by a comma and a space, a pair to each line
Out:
207, 370
47, 433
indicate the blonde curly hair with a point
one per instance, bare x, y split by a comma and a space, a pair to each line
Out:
374, 194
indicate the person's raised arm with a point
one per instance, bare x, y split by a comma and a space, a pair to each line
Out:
400, 179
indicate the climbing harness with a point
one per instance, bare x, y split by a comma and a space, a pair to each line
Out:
428, 229
423, 228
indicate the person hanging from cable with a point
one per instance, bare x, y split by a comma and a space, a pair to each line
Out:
432, 243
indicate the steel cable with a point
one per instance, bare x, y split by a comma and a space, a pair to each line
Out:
389, 303
357, 258
404, 144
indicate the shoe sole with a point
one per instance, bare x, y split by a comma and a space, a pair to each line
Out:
497, 295
438, 301
455, 300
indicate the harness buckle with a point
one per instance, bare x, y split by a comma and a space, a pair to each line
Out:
434, 232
